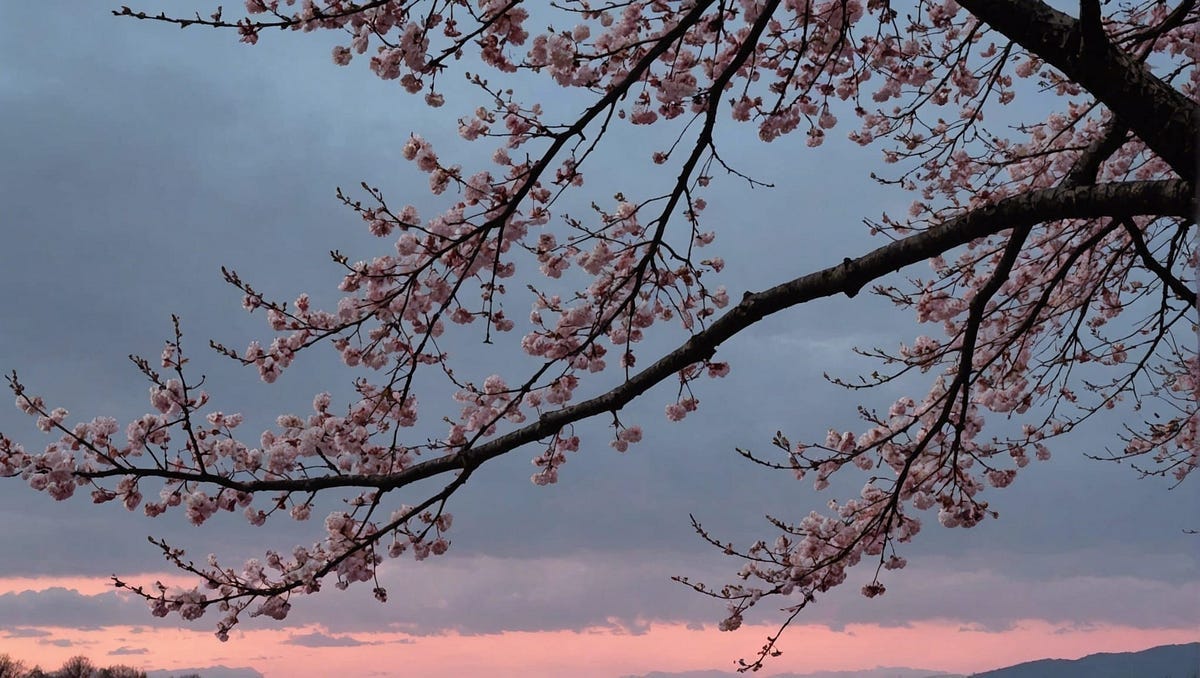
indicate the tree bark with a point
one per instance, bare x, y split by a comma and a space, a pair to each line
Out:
1161, 116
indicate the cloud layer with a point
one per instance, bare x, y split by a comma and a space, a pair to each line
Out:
487, 595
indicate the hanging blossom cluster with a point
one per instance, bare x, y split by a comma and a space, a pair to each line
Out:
1072, 292
1021, 314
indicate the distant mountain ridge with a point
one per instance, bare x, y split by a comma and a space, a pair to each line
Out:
207, 672
1164, 661
881, 672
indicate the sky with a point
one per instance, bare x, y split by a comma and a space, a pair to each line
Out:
139, 159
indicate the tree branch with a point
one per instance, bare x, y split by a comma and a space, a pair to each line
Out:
1159, 114
1139, 244
1114, 200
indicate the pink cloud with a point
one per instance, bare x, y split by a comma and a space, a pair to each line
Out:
601, 653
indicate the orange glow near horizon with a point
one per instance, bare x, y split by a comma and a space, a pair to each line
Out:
591, 653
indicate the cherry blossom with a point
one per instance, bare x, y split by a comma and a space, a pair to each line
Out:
1061, 280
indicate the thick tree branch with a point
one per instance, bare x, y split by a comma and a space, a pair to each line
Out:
1159, 114
1167, 198
1087, 166
1116, 200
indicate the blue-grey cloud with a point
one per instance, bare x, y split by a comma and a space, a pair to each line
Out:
126, 650
603, 590
25, 632
318, 639
68, 608
484, 594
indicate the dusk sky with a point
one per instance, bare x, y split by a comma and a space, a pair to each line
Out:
139, 159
